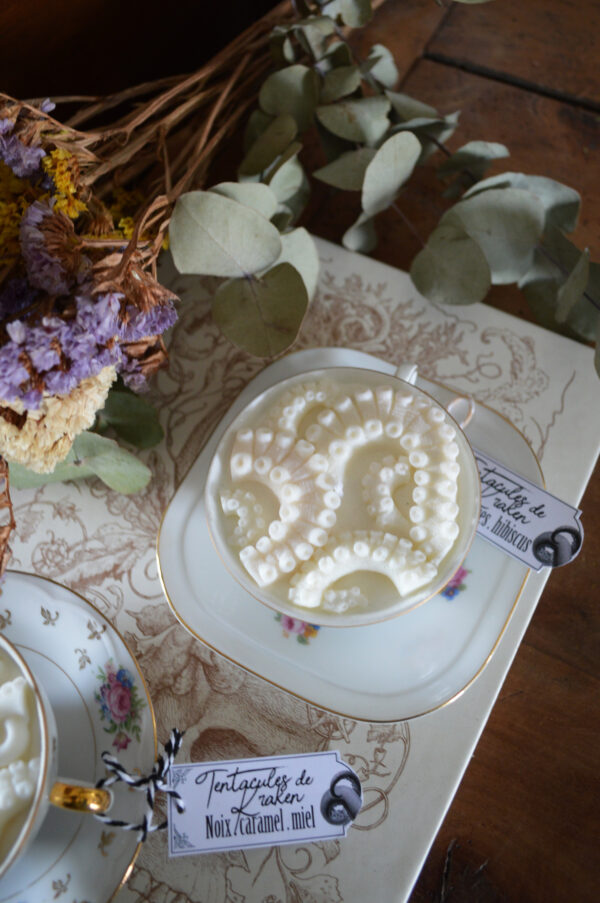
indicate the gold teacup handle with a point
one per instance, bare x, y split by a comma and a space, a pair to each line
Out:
80, 799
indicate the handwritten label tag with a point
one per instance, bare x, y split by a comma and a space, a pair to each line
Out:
231, 805
523, 519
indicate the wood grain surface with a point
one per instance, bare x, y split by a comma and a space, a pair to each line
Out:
523, 826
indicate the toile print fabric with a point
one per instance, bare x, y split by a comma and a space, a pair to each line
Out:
103, 545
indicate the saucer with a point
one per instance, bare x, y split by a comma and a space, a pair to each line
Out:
72, 648
392, 671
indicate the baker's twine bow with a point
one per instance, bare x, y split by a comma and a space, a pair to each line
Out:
156, 781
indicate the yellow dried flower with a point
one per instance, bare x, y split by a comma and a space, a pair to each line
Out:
48, 433
63, 168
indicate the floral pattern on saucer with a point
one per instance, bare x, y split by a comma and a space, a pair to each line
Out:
302, 630
456, 585
120, 704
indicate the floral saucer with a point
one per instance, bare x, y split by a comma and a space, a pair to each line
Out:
100, 702
399, 669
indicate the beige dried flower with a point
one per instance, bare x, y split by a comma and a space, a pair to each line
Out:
41, 439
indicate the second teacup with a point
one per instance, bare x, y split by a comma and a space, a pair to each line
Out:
28, 760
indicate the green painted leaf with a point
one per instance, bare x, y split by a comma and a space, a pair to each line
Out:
354, 13
348, 171
451, 269
506, 224
216, 236
262, 316
256, 195
561, 203
388, 171
293, 90
363, 120
361, 236
475, 156
269, 144
132, 417
299, 249
339, 83
382, 66
405, 107
570, 292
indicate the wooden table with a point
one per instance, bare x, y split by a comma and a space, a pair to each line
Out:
524, 824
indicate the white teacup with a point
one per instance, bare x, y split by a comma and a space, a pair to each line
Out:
287, 561
39, 725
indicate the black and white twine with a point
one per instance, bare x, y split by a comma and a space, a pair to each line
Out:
156, 781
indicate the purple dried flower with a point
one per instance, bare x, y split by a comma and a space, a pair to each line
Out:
44, 270
12, 371
47, 106
156, 321
23, 160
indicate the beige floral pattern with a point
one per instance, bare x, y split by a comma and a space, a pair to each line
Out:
103, 545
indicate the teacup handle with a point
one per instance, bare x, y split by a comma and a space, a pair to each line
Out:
79, 798
456, 408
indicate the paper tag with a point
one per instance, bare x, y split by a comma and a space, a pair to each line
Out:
242, 803
523, 519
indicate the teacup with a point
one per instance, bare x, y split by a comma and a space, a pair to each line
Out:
29, 758
343, 496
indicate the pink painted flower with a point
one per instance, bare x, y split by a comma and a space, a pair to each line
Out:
118, 700
121, 740
292, 625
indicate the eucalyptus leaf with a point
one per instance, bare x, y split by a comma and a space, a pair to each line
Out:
282, 48
287, 179
256, 195
115, 466
298, 201
269, 144
451, 269
506, 224
405, 107
293, 90
475, 156
570, 292
262, 316
90, 455
363, 120
332, 146
555, 259
561, 203
299, 249
257, 123
338, 54
283, 217
348, 171
431, 132
313, 32
388, 170
382, 66
216, 236
340, 83
132, 417
361, 236
354, 13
